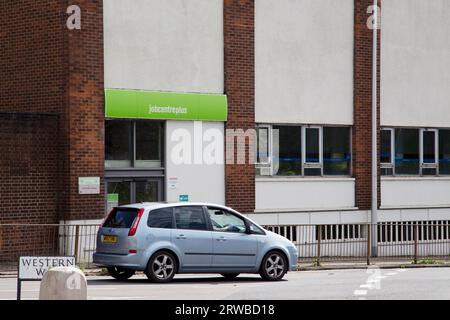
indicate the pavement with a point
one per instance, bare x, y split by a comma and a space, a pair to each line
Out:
349, 284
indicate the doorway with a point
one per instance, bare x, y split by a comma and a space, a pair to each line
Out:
135, 190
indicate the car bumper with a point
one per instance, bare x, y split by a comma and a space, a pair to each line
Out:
130, 261
293, 260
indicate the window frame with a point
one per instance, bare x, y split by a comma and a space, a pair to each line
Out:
205, 215
269, 166
133, 146
439, 159
246, 223
173, 226
312, 165
424, 165
389, 165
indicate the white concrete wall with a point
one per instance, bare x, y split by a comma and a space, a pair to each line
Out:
415, 63
202, 182
419, 192
305, 218
304, 61
164, 45
297, 194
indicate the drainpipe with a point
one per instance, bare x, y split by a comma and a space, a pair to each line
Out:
374, 213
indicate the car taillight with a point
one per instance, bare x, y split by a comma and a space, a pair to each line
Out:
107, 217
135, 224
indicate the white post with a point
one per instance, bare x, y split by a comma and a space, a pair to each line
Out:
374, 214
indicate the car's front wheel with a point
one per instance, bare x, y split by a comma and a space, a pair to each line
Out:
229, 276
161, 267
120, 273
273, 266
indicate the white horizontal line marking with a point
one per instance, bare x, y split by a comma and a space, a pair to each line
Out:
360, 292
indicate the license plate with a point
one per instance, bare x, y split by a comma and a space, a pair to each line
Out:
109, 239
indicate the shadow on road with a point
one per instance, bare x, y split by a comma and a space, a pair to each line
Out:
201, 280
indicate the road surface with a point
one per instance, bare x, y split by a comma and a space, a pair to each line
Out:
421, 283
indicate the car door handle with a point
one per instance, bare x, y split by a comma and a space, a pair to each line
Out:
221, 239
181, 236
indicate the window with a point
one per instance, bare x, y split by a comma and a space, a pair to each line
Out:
225, 221
122, 189
304, 150
429, 154
190, 217
336, 151
387, 151
133, 144
254, 229
312, 151
118, 144
407, 151
287, 145
161, 218
148, 144
411, 151
444, 152
263, 145
263, 151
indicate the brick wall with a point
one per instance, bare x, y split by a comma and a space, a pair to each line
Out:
46, 68
362, 136
85, 112
239, 56
30, 184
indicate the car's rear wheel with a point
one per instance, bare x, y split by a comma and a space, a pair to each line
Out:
120, 273
161, 267
273, 266
229, 276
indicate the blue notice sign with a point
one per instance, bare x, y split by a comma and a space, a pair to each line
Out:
184, 197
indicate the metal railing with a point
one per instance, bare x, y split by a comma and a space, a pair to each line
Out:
46, 240
414, 241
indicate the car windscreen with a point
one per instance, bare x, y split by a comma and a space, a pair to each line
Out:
121, 218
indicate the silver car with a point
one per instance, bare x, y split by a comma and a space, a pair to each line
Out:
164, 239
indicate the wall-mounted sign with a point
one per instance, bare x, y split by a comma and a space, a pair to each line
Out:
89, 185
184, 197
139, 104
172, 183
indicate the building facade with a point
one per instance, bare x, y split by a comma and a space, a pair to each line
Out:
97, 116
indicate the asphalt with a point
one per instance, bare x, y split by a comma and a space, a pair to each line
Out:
350, 284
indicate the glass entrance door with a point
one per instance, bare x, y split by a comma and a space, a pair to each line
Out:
126, 191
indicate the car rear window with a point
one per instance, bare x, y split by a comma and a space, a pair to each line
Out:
121, 218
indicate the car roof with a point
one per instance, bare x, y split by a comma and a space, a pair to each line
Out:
168, 204
155, 205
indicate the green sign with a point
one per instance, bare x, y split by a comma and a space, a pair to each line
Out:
112, 197
137, 104
184, 197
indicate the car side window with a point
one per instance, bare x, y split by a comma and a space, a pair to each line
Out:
161, 218
225, 221
254, 229
190, 217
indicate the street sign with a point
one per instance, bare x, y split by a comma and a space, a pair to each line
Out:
34, 268
184, 198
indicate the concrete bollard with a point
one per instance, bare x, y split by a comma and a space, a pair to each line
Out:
63, 283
